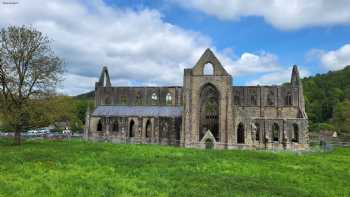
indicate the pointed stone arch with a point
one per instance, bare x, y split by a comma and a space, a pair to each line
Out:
132, 128
257, 131
208, 69
240, 134
104, 80
148, 128
295, 137
275, 132
208, 140
209, 57
115, 127
168, 99
99, 126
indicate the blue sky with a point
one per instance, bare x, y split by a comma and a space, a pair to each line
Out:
252, 33
151, 42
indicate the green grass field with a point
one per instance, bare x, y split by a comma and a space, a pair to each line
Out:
74, 168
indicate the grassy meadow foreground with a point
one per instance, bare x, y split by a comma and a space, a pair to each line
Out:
75, 168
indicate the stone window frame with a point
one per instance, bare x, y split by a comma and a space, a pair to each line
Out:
139, 99
108, 101
296, 133
253, 97
123, 100
148, 125
208, 69
258, 131
237, 100
154, 98
169, 99
275, 131
132, 128
115, 126
271, 97
289, 99
99, 126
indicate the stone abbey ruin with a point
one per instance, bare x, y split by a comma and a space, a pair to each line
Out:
206, 112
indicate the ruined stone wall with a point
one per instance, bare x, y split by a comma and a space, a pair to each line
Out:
132, 96
267, 101
161, 130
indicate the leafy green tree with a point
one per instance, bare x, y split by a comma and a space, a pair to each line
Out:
29, 70
342, 116
82, 106
52, 110
317, 127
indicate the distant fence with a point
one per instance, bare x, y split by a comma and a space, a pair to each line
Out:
317, 139
49, 136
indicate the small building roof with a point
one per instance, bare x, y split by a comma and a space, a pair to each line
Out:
124, 111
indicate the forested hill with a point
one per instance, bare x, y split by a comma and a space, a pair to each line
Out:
327, 100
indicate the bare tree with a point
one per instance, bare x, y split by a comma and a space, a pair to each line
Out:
29, 69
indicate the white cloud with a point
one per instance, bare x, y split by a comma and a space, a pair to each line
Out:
249, 63
277, 77
138, 46
135, 45
287, 15
333, 60
74, 84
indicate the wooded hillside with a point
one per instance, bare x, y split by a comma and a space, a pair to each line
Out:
327, 100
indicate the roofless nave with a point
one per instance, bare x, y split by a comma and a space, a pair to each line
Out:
207, 111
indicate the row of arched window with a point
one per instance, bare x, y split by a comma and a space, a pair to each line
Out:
275, 133
168, 98
270, 101
154, 98
240, 131
132, 128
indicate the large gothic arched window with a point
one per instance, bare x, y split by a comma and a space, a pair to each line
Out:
209, 111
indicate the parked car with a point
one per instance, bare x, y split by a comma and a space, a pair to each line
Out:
44, 131
33, 131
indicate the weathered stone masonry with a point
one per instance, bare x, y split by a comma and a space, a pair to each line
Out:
207, 111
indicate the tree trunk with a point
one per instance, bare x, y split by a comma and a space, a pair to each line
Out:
17, 137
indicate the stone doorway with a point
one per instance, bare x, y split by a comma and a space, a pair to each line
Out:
132, 129
240, 133
148, 129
